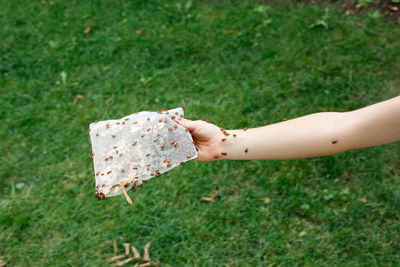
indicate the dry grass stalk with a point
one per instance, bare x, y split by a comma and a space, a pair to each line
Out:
88, 30
126, 246
146, 252
267, 200
115, 258
143, 262
135, 252
115, 247
210, 199
207, 199
128, 199
122, 263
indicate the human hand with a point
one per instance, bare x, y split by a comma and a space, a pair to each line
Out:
207, 137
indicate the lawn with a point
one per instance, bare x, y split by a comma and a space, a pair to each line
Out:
236, 63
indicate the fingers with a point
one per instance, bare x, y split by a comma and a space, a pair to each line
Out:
188, 124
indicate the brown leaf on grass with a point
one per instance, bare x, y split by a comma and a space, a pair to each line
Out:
140, 31
146, 256
88, 30
115, 247
135, 252
146, 264
115, 258
126, 246
122, 263
2, 263
267, 200
228, 31
80, 96
210, 199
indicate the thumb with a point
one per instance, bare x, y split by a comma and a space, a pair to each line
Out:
188, 124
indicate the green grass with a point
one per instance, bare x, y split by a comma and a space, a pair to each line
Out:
236, 63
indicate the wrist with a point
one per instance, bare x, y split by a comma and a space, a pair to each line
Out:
232, 145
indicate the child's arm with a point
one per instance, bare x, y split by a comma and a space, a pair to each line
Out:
318, 134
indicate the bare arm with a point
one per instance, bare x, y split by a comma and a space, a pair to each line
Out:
318, 134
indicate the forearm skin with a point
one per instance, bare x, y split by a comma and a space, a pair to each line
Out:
319, 134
